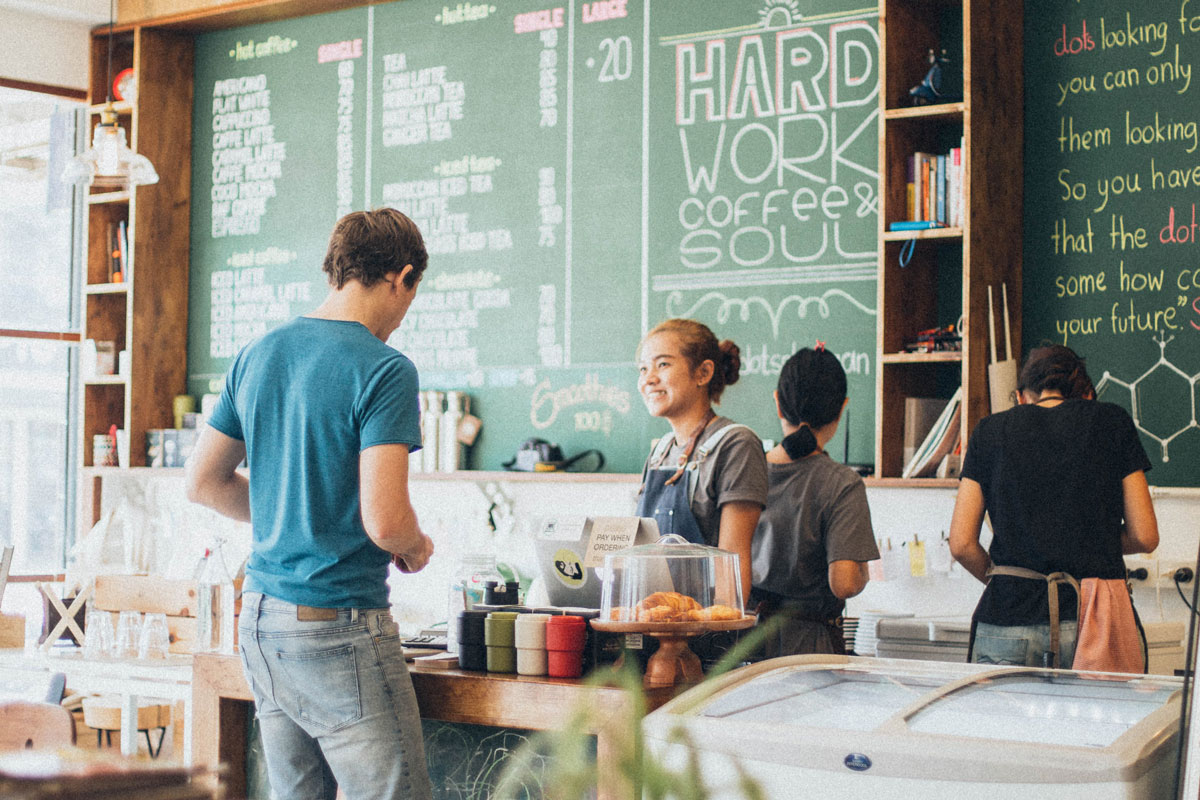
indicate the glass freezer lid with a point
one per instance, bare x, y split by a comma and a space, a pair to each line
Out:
1044, 708
842, 699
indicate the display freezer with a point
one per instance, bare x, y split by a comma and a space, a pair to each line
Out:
839, 727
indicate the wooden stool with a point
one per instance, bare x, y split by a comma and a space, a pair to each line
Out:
104, 714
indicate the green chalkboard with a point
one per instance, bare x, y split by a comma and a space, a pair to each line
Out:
1112, 165
580, 172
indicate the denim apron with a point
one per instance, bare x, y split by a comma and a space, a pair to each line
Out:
670, 504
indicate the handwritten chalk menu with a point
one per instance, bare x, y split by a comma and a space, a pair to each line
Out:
579, 171
1112, 266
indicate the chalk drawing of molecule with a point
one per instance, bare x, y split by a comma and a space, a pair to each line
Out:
1136, 400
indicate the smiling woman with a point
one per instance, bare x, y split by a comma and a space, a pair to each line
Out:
706, 479
38, 332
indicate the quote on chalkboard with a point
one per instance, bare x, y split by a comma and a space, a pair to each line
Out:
1111, 264
580, 172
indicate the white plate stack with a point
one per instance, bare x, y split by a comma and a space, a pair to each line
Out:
866, 637
924, 638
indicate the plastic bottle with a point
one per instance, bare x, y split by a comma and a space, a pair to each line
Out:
450, 457
466, 590
215, 607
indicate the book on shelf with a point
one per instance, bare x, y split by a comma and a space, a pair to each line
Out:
123, 248
934, 188
910, 191
116, 255
920, 414
914, 225
928, 189
939, 442
940, 166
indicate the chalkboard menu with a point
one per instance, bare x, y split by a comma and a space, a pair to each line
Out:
1112, 157
580, 172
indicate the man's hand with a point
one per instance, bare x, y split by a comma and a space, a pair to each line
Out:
414, 562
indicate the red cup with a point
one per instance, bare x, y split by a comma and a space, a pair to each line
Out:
566, 633
564, 663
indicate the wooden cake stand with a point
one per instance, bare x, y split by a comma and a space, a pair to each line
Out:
673, 662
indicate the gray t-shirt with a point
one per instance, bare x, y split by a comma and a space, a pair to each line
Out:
816, 513
734, 470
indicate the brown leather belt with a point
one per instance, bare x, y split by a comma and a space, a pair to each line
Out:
314, 614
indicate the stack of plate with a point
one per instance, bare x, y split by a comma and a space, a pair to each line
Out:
866, 638
849, 633
924, 638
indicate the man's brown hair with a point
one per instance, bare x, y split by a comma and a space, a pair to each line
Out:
366, 245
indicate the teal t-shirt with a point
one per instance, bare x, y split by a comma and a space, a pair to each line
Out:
307, 398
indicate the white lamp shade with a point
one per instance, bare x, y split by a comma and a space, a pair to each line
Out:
109, 163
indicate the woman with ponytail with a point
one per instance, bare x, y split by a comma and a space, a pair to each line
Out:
815, 537
706, 480
1063, 479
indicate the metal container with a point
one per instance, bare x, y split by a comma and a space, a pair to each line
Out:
450, 450
430, 422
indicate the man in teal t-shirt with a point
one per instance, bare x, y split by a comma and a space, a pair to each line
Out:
325, 414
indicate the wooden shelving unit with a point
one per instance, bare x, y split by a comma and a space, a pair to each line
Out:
146, 312
947, 277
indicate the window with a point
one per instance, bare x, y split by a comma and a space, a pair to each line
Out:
38, 326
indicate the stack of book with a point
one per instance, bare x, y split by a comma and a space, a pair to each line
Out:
934, 191
940, 442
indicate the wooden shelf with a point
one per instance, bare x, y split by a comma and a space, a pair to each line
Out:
936, 357
106, 288
119, 106
145, 473
946, 283
461, 475
107, 197
926, 112
527, 477
932, 233
150, 325
912, 483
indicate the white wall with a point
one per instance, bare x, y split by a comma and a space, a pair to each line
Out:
455, 513
43, 49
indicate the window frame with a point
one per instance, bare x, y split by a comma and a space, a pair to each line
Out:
70, 334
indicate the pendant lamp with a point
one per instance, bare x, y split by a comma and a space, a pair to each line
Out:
109, 163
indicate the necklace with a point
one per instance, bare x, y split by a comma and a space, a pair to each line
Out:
1057, 398
691, 445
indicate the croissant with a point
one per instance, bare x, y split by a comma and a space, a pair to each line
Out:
675, 600
658, 614
676, 607
721, 612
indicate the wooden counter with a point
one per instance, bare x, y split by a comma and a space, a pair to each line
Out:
220, 712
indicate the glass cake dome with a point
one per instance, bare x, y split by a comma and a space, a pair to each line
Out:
671, 581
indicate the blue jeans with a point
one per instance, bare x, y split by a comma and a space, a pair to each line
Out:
334, 702
1023, 645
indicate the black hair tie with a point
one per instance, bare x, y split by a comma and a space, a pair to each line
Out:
800, 443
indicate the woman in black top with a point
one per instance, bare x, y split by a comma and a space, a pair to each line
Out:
1063, 479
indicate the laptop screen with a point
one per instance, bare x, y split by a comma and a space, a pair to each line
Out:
571, 549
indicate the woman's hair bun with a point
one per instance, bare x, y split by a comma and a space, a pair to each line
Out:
731, 362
